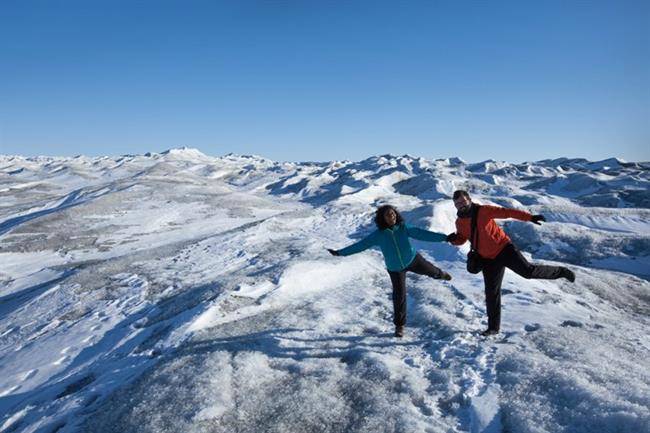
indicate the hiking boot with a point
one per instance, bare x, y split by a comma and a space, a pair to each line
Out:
568, 274
399, 331
489, 332
445, 276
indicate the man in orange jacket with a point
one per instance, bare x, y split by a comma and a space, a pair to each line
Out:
497, 251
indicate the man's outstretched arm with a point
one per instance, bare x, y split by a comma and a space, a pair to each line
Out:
496, 212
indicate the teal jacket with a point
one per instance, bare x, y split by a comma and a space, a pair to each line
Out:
395, 245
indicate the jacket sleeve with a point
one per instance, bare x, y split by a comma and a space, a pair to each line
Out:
363, 244
424, 235
502, 212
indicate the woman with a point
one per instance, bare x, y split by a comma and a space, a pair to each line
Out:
392, 236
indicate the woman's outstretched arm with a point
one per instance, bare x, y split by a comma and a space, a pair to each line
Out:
425, 235
359, 246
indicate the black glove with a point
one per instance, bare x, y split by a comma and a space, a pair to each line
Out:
451, 237
333, 252
537, 218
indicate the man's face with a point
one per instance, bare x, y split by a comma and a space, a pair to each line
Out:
463, 203
390, 217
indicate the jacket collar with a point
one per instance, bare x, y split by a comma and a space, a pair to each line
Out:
394, 227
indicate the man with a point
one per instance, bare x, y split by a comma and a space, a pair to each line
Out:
497, 251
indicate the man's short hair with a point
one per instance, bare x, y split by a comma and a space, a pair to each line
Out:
459, 193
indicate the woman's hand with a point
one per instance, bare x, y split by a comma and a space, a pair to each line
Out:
333, 252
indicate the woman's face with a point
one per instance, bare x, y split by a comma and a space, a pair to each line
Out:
390, 217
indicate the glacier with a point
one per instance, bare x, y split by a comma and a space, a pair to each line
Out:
180, 292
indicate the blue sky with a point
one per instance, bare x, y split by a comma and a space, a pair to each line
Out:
317, 80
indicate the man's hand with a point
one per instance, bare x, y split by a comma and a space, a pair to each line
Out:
333, 252
451, 237
537, 218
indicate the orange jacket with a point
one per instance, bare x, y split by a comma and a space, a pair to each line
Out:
491, 238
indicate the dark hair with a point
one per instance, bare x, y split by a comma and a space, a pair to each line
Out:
379, 216
461, 192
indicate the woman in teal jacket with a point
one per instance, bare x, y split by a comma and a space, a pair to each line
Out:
392, 236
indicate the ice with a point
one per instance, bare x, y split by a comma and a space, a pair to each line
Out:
177, 291
485, 412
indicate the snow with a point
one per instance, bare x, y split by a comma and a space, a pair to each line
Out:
177, 291
485, 411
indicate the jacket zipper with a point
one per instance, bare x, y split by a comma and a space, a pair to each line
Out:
399, 256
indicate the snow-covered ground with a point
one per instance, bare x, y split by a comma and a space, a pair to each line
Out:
178, 292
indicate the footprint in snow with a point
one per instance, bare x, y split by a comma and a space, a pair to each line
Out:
61, 360
411, 362
571, 323
10, 330
30, 374
9, 390
532, 327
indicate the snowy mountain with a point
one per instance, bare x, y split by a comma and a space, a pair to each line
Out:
178, 292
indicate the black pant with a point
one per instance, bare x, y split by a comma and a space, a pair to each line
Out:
420, 266
493, 270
